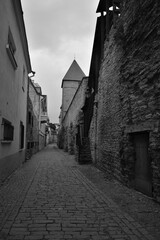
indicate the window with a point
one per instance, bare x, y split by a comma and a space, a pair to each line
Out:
11, 49
7, 130
21, 135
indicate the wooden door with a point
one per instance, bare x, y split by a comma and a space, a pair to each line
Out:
142, 164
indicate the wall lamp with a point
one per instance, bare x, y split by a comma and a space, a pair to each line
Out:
33, 73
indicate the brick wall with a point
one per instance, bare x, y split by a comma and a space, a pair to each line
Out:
93, 134
129, 92
140, 83
109, 109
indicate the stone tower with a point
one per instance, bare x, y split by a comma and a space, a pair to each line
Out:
70, 84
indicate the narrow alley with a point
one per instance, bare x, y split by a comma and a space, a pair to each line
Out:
50, 197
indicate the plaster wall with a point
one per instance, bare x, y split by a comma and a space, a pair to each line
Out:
71, 119
69, 89
13, 93
76, 104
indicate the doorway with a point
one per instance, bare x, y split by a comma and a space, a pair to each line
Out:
143, 180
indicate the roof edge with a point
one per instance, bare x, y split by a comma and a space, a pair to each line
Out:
22, 30
65, 80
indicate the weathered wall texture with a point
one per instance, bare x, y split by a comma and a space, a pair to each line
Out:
71, 119
129, 92
109, 109
93, 136
140, 83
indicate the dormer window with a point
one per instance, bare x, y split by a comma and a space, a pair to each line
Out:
11, 49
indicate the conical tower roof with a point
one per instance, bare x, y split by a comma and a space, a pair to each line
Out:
74, 73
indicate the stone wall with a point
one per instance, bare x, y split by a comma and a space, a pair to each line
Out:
140, 83
129, 92
93, 134
109, 108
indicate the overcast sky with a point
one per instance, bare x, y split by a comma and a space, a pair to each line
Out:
58, 30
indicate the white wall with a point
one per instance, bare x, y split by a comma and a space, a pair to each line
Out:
13, 99
76, 105
69, 89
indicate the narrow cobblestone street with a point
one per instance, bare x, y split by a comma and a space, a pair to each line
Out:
50, 197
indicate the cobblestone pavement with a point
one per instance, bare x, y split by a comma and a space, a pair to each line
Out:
137, 205
52, 197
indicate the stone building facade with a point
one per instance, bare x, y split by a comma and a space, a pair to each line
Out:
37, 119
124, 129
